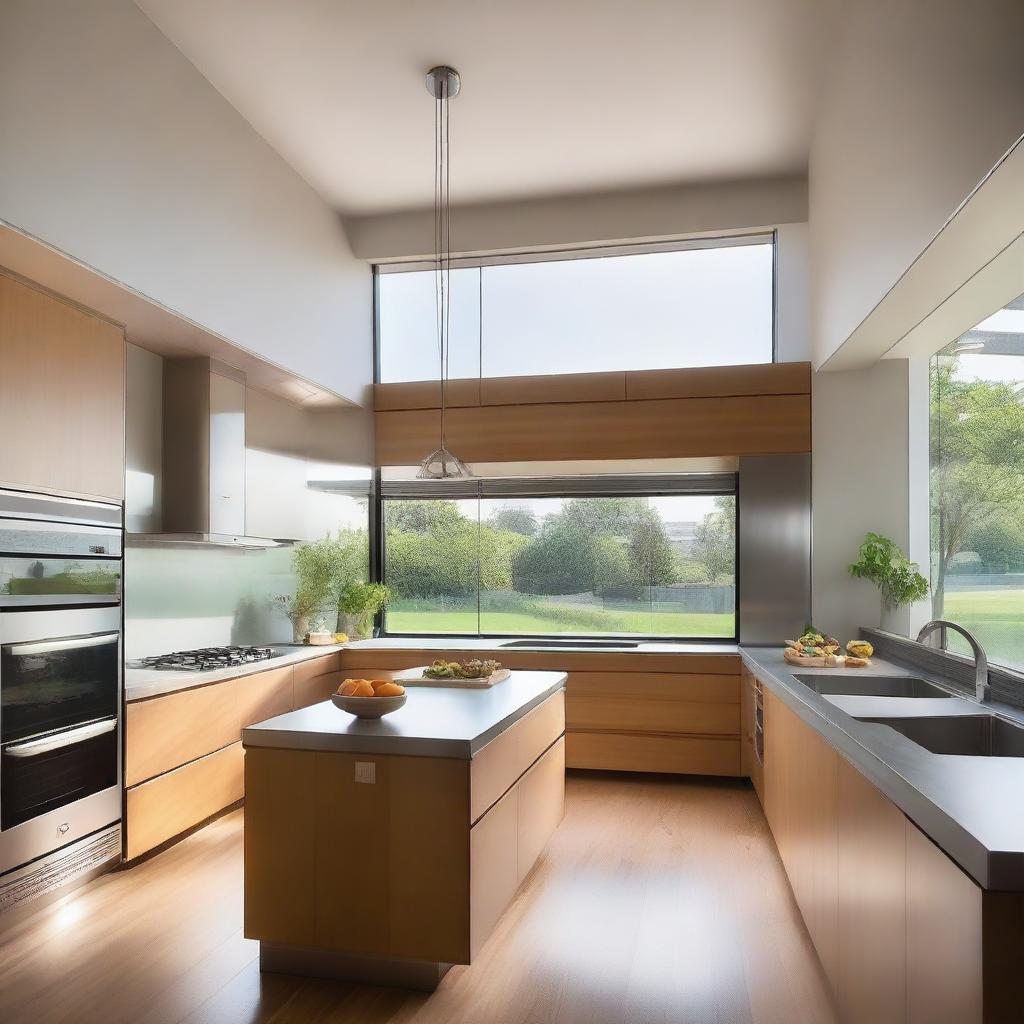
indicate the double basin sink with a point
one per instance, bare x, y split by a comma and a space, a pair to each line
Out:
965, 735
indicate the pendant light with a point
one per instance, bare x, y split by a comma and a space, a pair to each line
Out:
443, 83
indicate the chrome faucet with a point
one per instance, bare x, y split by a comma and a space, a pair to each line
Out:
981, 687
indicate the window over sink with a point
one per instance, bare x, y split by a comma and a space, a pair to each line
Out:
603, 558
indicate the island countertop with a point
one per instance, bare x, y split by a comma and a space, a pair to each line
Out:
435, 722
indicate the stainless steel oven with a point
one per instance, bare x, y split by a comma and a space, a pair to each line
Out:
60, 673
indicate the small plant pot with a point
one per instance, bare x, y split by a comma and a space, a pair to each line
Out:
300, 627
354, 625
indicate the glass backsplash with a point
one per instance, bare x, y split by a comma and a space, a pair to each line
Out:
179, 598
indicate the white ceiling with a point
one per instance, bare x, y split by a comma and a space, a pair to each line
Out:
560, 96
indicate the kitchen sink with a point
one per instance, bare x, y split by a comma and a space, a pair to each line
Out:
612, 645
967, 735
872, 686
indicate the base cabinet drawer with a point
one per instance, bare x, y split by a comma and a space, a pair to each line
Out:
506, 843
165, 807
499, 764
165, 732
644, 752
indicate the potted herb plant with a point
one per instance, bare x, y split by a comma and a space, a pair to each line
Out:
884, 563
358, 603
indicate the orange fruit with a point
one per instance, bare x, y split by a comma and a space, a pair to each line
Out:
362, 688
346, 688
378, 683
390, 689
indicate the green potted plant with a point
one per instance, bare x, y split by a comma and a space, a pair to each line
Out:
358, 603
317, 566
884, 563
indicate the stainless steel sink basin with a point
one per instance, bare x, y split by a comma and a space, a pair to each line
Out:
968, 735
872, 686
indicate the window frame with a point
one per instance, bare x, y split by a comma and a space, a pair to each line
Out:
648, 486
583, 253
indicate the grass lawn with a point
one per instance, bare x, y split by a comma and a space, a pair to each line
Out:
695, 624
995, 617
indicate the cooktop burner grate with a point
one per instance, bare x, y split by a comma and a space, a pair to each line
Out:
207, 658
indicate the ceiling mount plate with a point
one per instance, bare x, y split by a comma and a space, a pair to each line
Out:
443, 81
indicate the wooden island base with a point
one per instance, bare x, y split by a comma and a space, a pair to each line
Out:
386, 868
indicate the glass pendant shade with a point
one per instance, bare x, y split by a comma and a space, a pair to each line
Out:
440, 464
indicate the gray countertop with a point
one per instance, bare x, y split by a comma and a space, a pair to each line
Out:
435, 721
140, 683
971, 807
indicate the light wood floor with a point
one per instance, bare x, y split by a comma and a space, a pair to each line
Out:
659, 901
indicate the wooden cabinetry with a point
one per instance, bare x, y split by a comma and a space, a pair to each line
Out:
800, 803
61, 395
871, 983
183, 760
729, 410
316, 680
677, 713
904, 936
944, 939
397, 868
178, 800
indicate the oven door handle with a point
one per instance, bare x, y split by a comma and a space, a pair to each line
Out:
72, 644
31, 748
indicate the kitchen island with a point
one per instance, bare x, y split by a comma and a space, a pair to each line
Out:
386, 850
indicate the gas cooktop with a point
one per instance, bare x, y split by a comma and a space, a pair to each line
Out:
207, 658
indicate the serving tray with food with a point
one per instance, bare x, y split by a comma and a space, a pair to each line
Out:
473, 673
815, 650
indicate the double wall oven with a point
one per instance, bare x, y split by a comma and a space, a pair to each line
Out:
60, 673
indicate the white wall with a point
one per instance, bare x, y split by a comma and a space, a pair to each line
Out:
921, 98
638, 215
792, 294
120, 154
869, 473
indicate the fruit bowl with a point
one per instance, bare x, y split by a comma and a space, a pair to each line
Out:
368, 707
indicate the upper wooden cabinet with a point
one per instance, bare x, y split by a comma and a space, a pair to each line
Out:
704, 411
61, 396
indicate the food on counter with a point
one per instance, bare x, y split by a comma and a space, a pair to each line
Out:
473, 668
341, 638
370, 688
860, 648
819, 650
356, 688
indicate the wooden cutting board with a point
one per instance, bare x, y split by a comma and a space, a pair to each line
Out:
417, 678
826, 661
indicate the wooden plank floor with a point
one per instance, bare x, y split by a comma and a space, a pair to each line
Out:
659, 901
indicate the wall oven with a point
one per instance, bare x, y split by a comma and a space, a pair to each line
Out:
60, 673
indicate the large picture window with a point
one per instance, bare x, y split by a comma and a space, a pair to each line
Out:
523, 565
698, 304
977, 485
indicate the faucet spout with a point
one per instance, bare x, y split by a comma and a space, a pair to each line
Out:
981, 686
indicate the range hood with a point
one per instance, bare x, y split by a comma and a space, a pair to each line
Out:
203, 473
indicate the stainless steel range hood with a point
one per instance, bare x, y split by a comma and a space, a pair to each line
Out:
203, 475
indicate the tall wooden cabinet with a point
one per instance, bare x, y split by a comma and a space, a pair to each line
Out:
61, 395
